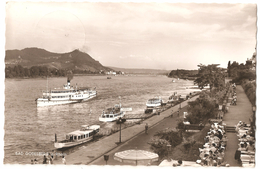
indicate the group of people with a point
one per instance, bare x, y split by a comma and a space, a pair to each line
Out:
214, 148
246, 146
35, 161
48, 159
234, 95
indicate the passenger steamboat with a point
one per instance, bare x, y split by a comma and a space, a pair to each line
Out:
112, 114
77, 137
66, 95
154, 102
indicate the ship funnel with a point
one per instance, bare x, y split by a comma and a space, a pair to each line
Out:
68, 83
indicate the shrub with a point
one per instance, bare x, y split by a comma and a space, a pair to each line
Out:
250, 90
170, 135
188, 143
200, 109
180, 125
159, 146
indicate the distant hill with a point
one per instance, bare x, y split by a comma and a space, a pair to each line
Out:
183, 74
29, 57
141, 71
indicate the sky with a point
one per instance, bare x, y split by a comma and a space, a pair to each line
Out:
137, 35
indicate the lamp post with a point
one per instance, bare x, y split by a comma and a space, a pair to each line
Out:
120, 121
106, 157
168, 149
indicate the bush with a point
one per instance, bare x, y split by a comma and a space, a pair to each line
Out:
200, 109
250, 90
180, 125
159, 146
188, 143
163, 138
170, 135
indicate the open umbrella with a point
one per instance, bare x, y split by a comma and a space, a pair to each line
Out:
136, 157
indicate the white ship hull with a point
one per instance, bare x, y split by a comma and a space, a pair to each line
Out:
49, 102
71, 144
77, 137
153, 105
110, 119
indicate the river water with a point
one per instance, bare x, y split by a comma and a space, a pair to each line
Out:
29, 129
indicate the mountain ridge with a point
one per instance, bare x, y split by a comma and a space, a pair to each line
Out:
75, 59
140, 70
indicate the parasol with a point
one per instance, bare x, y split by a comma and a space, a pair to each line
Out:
136, 157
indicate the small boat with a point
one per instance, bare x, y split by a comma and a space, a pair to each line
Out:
196, 88
173, 98
112, 114
77, 137
66, 95
154, 102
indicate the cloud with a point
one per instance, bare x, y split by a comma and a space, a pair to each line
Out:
133, 32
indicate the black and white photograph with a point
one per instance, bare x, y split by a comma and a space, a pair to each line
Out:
129, 83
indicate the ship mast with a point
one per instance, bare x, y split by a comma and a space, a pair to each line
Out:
47, 83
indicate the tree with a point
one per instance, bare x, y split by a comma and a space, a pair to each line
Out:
210, 75
200, 109
228, 68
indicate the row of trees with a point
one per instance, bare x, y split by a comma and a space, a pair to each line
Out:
34, 71
183, 74
200, 110
207, 105
241, 71
39, 71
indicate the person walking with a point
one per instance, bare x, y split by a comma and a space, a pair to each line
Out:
146, 128
178, 113
44, 160
63, 160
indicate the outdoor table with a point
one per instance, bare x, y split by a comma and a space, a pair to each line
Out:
242, 140
242, 132
247, 158
206, 145
247, 165
248, 152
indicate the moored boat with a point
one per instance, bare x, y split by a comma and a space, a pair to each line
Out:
112, 114
196, 88
173, 98
66, 95
154, 102
77, 137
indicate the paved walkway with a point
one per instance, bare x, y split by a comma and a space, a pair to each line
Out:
97, 149
134, 137
240, 112
140, 142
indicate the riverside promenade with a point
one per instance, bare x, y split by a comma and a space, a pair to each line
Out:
95, 151
240, 112
134, 137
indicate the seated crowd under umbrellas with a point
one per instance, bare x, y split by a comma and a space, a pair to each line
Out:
246, 147
213, 151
